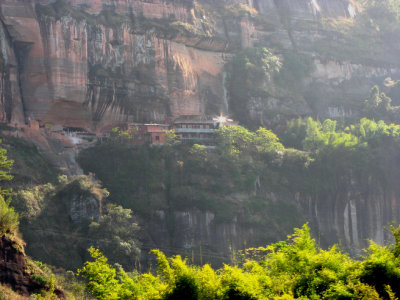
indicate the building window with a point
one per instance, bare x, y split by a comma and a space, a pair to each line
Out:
157, 138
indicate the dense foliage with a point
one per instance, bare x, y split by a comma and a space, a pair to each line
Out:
379, 106
251, 176
177, 176
8, 218
295, 269
50, 216
116, 234
319, 157
346, 155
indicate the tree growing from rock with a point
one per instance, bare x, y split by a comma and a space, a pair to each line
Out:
8, 217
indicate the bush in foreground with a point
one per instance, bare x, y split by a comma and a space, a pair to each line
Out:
294, 269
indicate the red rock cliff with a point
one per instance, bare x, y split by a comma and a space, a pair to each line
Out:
98, 62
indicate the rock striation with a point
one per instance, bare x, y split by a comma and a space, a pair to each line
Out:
102, 68
94, 63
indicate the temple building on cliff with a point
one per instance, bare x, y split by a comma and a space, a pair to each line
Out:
199, 128
193, 128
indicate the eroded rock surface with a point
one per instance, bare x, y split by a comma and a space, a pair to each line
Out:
14, 270
95, 63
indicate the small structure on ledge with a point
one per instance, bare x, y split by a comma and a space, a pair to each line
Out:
193, 128
153, 134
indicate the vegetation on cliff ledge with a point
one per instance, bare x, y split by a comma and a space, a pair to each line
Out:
18, 272
319, 157
8, 216
74, 209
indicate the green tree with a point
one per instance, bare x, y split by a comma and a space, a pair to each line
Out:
266, 141
115, 235
380, 269
5, 165
234, 140
379, 106
294, 133
102, 282
8, 217
171, 139
237, 140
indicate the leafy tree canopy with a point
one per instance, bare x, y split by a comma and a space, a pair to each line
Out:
294, 269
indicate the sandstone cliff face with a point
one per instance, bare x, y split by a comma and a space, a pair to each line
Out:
75, 72
308, 9
335, 90
197, 235
10, 97
350, 217
95, 63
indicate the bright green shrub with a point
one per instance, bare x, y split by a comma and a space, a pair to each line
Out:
296, 269
380, 269
40, 280
102, 282
239, 284
8, 218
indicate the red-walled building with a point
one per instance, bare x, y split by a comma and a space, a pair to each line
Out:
153, 134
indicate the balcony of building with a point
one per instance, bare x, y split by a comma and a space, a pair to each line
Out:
194, 130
